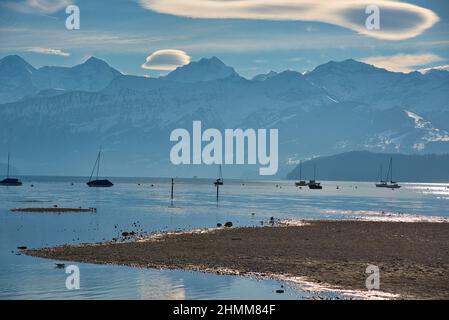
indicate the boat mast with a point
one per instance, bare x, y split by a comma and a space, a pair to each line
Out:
379, 177
95, 166
7, 172
314, 171
220, 174
300, 170
391, 165
98, 160
388, 172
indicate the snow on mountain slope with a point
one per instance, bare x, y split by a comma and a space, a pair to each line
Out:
430, 133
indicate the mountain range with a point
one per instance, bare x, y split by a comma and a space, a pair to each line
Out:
54, 119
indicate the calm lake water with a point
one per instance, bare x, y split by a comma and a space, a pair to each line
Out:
129, 206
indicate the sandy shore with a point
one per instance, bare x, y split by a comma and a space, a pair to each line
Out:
413, 257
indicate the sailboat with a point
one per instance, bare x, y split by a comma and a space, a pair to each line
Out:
97, 183
219, 181
381, 183
391, 184
10, 182
312, 183
300, 183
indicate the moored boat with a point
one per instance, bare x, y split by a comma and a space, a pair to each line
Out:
10, 182
313, 184
98, 183
301, 183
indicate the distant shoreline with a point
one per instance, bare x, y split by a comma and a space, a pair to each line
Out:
237, 180
413, 257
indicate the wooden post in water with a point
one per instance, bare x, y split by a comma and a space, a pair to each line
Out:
171, 195
218, 188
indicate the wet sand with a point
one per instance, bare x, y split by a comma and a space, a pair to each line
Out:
413, 257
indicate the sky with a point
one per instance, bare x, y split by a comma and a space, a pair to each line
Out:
153, 37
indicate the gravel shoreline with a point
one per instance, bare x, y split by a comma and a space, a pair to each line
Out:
413, 257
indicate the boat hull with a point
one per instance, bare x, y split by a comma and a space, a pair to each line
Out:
10, 183
388, 186
100, 184
301, 184
315, 185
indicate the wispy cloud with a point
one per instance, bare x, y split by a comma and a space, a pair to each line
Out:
166, 60
403, 62
49, 51
37, 6
399, 20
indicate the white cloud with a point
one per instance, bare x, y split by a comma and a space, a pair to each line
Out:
166, 60
37, 6
402, 62
49, 51
399, 20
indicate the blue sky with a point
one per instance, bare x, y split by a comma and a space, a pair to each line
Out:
270, 35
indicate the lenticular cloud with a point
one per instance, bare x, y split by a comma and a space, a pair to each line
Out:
399, 20
166, 60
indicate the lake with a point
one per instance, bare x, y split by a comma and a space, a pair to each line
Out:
142, 205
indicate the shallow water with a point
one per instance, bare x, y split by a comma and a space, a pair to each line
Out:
145, 207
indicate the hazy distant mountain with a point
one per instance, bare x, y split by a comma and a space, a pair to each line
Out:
15, 79
19, 79
265, 76
203, 70
355, 81
92, 75
366, 166
338, 107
